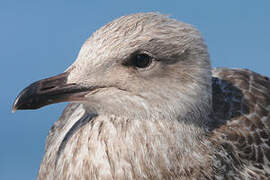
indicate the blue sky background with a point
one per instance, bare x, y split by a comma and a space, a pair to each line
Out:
39, 39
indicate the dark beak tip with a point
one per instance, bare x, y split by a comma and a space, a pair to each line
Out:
14, 108
33, 96
17, 103
48, 91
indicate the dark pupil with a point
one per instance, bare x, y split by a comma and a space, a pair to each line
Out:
142, 60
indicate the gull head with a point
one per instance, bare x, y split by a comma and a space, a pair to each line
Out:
142, 65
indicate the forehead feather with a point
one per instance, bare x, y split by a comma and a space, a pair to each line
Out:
128, 33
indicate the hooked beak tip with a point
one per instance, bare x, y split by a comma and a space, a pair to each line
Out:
13, 109
49, 91
14, 106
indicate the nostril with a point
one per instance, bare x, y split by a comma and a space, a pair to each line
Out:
47, 88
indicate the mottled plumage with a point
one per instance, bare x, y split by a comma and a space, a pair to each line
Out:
241, 103
146, 105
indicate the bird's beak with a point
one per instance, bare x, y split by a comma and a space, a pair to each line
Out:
49, 91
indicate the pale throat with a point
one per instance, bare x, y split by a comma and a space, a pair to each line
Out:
189, 123
167, 138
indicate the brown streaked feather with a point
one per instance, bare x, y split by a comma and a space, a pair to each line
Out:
155, 122
241, 103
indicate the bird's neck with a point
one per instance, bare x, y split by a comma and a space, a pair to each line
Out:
117, 147
153, 145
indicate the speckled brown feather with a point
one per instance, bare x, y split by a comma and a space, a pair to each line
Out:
241, 102
239, 134
159, 122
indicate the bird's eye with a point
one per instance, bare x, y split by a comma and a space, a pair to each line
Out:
142, 60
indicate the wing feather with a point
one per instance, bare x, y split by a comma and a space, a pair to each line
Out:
241, 104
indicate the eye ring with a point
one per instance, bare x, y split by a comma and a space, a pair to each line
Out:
142, 60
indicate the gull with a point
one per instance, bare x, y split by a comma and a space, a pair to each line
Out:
146, 104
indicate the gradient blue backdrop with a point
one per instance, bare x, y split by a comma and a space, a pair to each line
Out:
42, 38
